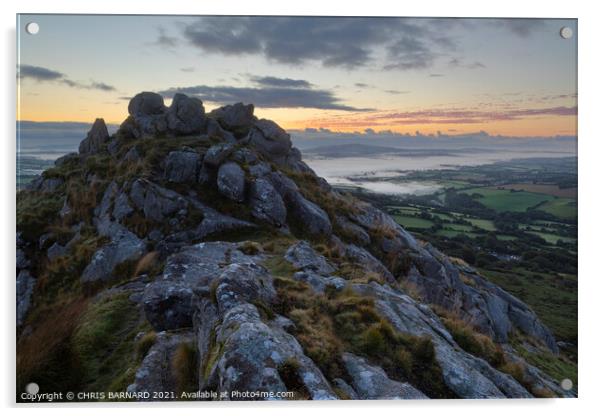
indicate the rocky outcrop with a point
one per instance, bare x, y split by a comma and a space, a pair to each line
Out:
97, 137
149, 117
185, 115
237, 118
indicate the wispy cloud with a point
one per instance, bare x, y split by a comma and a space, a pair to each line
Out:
457, 116
41, 74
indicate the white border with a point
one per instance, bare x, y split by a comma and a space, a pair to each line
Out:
590, 201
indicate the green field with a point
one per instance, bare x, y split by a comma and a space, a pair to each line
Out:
455, 233
505, 200
486, 225
561, 207
459, 227
552, 238
504, 237
412, 222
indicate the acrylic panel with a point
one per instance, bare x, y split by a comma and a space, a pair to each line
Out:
295, 208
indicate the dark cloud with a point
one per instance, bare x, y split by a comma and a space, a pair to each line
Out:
333, 42
522, 27
269, 81
266, 97
187, 69
38, 73
436, 75
362, 85
41, 74
410, 53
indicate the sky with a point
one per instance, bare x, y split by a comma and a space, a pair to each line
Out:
509, 77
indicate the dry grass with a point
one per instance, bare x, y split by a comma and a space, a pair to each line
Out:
147, 263
185, 367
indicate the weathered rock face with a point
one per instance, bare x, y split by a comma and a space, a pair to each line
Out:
182, 166
371, 382
489, 308
303, 257
96, 138
156, 202
266, 204
231, 181
185, 115
124, 246
236, 118
270, 140
145, 104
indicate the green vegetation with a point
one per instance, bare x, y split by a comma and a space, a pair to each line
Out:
564, 208
506, 200
326, 325
413, 222
103, 343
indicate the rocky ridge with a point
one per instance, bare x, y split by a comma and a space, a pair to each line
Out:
240, 262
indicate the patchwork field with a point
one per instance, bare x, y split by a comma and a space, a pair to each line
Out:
507, 200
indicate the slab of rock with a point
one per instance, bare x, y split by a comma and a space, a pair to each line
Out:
96, 138
124, 246
156, 202
266, 203
236, 118
231, 181
303, 257
168, 305
182, 166
372, 383
270, 140
314, 220
215, 130
186, 115
320, 283
216, 154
